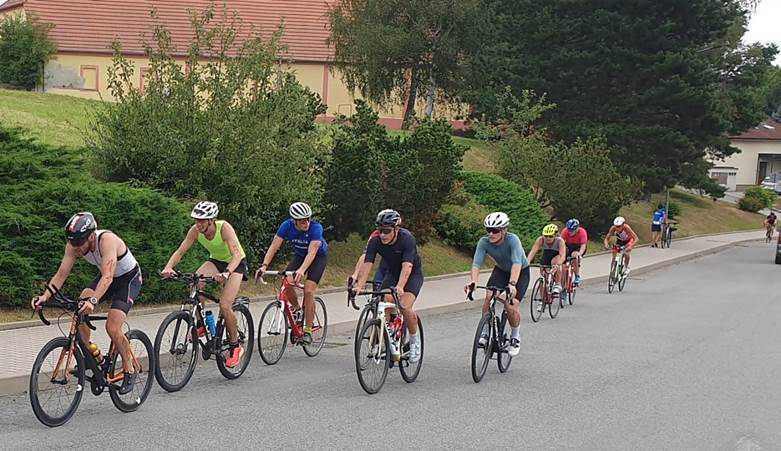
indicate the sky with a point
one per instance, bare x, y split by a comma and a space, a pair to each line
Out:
765, 25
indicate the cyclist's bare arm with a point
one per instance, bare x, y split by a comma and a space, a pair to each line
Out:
535, 248
632, 232
358, 265
66, 266
363, 274
406, 270
110, 247
562, 252
276, 243
180, 252
611, 231
229, 236
311, 253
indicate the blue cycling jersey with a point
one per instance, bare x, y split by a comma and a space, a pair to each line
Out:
300, 240
659, 216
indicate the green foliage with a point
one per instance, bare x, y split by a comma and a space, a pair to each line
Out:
228, 125
371, 170
763, 196
673, 210
41, 187
498, 194
389, 48
462, 225
25, 47
751, 204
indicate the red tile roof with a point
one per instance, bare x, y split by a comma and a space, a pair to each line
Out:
10, 4
767, 130
91, 25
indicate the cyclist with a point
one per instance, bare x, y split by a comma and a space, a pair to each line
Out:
659, 218
398, 249
511, 270
227, 263
554, 252
119, 280
381, 269
576, 239
770, 223
625, 237
310, 258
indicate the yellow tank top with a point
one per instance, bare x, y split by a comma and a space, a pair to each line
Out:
218, 249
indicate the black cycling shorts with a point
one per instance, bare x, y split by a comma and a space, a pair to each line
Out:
316, 269
500, 278
413, 285
572, 248
656, 227
547, 257
123, 291
242, 269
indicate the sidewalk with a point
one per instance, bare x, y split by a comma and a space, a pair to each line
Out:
19, 347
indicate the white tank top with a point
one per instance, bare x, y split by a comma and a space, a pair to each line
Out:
125, 262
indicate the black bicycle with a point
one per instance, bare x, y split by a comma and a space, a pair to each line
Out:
59, 372
183, 332
368, 308
667, 233
499, 334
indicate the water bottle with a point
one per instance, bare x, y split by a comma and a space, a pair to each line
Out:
397, 328
394, 342
210, 323
95, 351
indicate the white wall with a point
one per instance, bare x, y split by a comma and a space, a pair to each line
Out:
747, 160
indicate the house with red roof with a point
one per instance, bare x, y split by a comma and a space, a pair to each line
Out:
759, 157
85, 29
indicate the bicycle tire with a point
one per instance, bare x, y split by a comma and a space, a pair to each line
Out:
504, 333
537, 300
622, 279
174, 355
571, 295
319, 329
611, 278
375, 359
669, 239
245, 328
481, 355
554, 306
410, 371
40, 411
267, 344
144, 353
564, 288
365, 312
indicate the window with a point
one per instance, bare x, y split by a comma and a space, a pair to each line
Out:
89, 75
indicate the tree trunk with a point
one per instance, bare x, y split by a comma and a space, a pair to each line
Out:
409, 109
431, 90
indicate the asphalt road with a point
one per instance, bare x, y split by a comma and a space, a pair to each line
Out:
687, 357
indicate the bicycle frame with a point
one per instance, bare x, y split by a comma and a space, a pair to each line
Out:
496, 293
546, 272
278, 322
379, 306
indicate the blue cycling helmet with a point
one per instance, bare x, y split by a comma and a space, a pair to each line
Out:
572, 224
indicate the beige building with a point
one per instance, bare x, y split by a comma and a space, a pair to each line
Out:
84, 30
759, 157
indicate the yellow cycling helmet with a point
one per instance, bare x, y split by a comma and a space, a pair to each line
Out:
550, 230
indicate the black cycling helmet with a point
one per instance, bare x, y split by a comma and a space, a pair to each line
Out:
388, 218
79, 227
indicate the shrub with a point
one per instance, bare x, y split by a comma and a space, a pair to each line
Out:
751, 204
498, 194
462, 225
41, 187
25, 47
762, 195
673, 210
228, 125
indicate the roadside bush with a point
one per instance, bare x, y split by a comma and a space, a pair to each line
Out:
41, 187
25, 47
673, 210
228, 125
751, 204
498, 194
462, 225
762, 195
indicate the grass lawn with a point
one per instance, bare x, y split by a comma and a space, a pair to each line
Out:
52, 119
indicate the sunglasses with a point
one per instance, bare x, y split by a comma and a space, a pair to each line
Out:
493, 230
385, 231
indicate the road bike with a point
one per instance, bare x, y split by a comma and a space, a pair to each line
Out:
769, 229
59, 372
368, 308
499, 333
182, 332
380, 344
542, 294
568, 282
667, 233
277, 323
617, 268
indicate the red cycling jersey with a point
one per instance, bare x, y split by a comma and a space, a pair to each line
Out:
579, 238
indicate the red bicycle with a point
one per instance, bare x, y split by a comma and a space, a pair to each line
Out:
542, 294
277, 323
568, 282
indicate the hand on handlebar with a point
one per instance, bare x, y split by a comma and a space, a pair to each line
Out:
512, 291
37, 302
167, 273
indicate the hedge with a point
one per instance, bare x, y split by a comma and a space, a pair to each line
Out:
462, 225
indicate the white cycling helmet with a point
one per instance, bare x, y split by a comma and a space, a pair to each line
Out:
205, 210
619, 221
300, 210
497, 220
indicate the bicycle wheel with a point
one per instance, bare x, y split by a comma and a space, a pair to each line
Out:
176, 348
410, 371
372, 348
504, 334
481, 355
245, 329
622, 278
144, 363
611, 278
366, 312
57, 382
319, 329
564, 285
273, 330
537, 304
669, 238
555, 305
571, 294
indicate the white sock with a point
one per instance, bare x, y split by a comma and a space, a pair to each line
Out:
517, 332
413, 338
